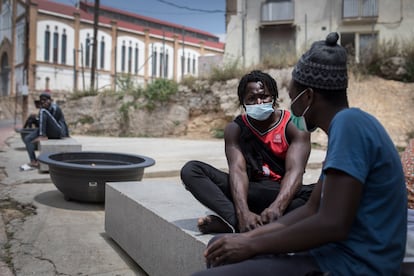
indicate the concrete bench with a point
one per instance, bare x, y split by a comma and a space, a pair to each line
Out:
154, 221
67, 144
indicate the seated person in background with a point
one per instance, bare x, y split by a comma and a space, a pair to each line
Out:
355, 222
52, 125
266, 155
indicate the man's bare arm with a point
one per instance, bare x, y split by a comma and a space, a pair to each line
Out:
295, 163
239, 181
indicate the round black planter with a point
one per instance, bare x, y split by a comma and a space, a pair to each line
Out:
81, 176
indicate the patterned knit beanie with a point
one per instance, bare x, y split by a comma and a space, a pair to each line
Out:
323, 66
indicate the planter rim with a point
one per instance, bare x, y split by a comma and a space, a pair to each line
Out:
47, 158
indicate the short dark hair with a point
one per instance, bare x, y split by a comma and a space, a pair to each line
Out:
45, 95
255, 76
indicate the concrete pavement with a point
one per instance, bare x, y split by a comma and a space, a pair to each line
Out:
68, 238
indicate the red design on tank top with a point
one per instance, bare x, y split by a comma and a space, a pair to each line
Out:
275, 138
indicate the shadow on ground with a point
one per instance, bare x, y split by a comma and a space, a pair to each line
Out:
57, 200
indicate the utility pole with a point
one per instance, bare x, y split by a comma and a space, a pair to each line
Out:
243, 30
95, 43
26, 62
183, 57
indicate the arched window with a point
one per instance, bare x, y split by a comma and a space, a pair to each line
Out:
64, 47
55, 45
189, 63
136, 58
130, 58
166, 64
87, 50
162, 62
47, 44
123, 56
194, 64
154, 62
4, 75
102, 57
182, 65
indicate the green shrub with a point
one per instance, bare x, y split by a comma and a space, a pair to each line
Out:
408, 54
227, 72
188, 81
125, 83
158, 92
80, 94
372, 58
376, 55
86, 120
218, 133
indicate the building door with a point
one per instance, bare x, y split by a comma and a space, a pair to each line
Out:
359, 45
4, 75
277, 41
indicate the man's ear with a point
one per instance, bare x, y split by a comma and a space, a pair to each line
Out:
311, 94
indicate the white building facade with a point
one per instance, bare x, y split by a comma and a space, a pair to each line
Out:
48, 45
257, 28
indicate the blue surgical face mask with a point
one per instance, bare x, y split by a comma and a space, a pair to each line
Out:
300, 121
260, 112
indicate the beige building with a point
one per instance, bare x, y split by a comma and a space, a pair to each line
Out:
48, 45
257, 28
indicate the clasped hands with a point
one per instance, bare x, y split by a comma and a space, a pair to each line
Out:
250, 220
231, 248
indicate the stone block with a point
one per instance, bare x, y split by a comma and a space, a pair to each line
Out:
67, 144
154, 222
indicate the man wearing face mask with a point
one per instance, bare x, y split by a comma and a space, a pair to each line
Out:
355, 222
266, 155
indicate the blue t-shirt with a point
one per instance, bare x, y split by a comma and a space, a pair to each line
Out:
359, 146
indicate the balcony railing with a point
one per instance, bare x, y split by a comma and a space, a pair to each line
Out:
360, 9
278, 12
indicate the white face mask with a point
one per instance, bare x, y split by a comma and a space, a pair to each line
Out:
300, 121
260, 112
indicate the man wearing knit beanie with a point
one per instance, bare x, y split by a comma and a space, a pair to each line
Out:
356, 218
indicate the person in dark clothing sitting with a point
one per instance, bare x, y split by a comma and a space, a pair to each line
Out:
266, 155
52, 125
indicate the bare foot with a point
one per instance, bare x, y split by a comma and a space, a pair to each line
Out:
213, 224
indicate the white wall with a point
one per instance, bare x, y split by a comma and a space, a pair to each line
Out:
21, 9
19, 79
6, 21
59, 78
20, 46
234, 36
314, 20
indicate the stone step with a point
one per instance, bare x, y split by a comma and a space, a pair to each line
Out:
154, 221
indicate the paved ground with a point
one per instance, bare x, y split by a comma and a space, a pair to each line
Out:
68, 238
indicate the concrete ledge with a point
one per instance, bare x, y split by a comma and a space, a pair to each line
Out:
154, 221
67, 144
